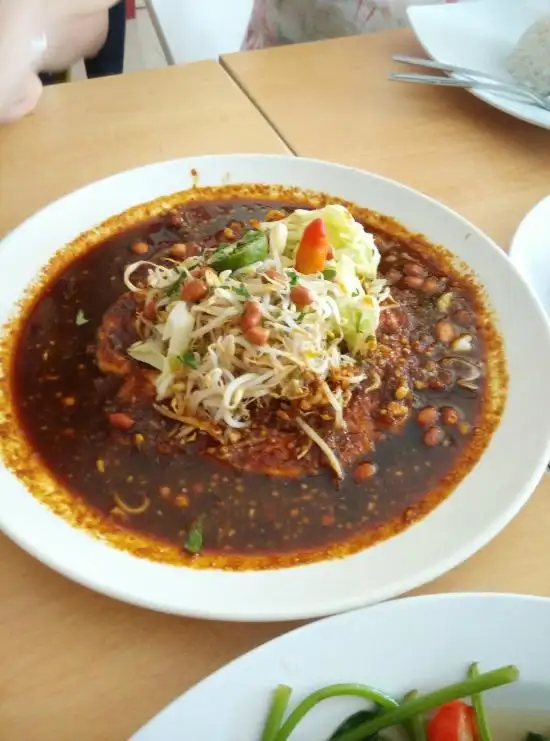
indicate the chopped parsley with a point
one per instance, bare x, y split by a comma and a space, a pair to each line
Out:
250, 235
81, 318
355, 293
293, 277
329, 273
195, 537
300, 316
176, 285
189, 359
221, 248
242, 290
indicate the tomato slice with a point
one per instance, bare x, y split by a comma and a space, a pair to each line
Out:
453, 722
311, 255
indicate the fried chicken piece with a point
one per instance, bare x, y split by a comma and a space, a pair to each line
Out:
288, 453
115, 335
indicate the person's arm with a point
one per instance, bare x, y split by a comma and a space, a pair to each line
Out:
21, 45
75, 29
44, 35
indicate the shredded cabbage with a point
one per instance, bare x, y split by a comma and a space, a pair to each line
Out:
346, 236
355, 264
178, 329
150, 352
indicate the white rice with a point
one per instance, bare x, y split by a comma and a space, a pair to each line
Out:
529, 62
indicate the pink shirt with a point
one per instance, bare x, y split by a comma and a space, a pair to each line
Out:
276, 22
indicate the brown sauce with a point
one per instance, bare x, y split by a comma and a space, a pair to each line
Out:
61, 399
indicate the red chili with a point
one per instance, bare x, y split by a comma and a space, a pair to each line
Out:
312, 252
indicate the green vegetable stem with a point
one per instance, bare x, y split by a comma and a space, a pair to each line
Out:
483, 730
431, 701
417, 726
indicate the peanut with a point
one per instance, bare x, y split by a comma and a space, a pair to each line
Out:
413, 268
194, 290
257, 335
444, 331
140, 248
427, 416
414, 281
121, 421
364, 471
433, 436
252, 315
301, 296
450, 416
179, 250
431, 286
273, 274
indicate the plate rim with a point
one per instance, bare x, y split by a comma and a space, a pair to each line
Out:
533, 212
358, 599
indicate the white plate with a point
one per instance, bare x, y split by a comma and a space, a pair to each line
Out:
530, 251
421, 643
480, 35
479, 508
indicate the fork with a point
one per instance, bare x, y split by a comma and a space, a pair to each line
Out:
467, 78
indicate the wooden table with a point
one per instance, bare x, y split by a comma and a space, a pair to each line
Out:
332, 100
76, 665
90, 129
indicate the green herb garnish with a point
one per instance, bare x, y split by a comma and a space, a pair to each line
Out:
293, 277
300, 316
176, 285
188, 358
221, 248
195, 536
80, 318
329, 273
242, 290
355, 293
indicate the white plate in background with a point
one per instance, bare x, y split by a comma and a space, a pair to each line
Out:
418, 643
530, 250
480, 35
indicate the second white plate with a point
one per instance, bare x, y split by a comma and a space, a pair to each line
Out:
394, 647
480, 35
530, 250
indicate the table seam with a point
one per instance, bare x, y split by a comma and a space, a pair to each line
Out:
257, 106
